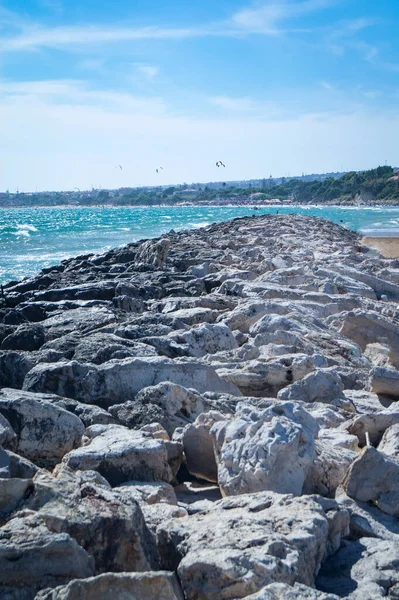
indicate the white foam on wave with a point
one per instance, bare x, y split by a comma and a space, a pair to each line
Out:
26, 227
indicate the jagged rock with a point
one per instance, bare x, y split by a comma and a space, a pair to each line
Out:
20, 467
13, 368
113, 381
148, 493
89, 414
45, 432
321, 386
204, 339
362, 570
108, 525
385, 382
282, 591
374, 477
368, 327
12, 491
265, 378
8, 437
243, 543
271, 449
32, 558
121, 455
389, 444
367, 520
119, 586
167, 403
98, 348
153, 253
25, 337
329, 468
374, 424
82, 320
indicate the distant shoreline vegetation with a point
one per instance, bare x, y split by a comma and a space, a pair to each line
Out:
378, 186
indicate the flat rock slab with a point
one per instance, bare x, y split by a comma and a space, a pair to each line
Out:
117, 381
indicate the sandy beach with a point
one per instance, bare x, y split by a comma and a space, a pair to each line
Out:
388, 246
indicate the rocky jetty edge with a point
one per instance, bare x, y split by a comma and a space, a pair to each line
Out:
208, 415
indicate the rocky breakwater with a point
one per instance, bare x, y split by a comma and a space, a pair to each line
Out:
212, 414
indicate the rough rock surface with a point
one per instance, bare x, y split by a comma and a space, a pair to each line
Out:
249, 360
127, 586
243, 543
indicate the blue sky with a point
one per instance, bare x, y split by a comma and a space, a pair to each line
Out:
269, 87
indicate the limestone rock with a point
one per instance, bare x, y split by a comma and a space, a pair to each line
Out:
32, 557
282, 591
167, 403
374, 477
108, 525
244, 543
271, 449
362, 570
121, 455
45, 432
119, 586
385, 382
114, 381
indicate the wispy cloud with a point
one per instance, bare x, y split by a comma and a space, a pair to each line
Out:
344, 36
78, 93
244, 104
327, 86
266, 18
149, 71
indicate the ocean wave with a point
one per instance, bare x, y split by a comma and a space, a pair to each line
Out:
26, 227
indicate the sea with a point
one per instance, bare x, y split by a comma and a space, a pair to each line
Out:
34, 238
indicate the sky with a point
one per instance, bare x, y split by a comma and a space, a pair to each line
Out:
268, 87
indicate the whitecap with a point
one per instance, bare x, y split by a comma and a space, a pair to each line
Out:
26, 227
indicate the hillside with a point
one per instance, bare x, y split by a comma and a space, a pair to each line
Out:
376, 186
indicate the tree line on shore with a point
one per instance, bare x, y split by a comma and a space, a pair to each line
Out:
375, 186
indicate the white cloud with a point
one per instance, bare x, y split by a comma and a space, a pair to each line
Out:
149, 71
327, 86
70, 37
266, 17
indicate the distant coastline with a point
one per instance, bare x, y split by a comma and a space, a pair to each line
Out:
375, 187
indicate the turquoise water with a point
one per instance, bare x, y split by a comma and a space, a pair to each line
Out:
33, 238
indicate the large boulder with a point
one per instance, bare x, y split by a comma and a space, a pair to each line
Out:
45, 432
32, 557
167, 403
262, 378
240, 544
320, 386
26, 337
375, 424
385, 382
82, 320
374, 477
270, 449
153, 252
117, 381
161, 585
120, 454
108, 525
